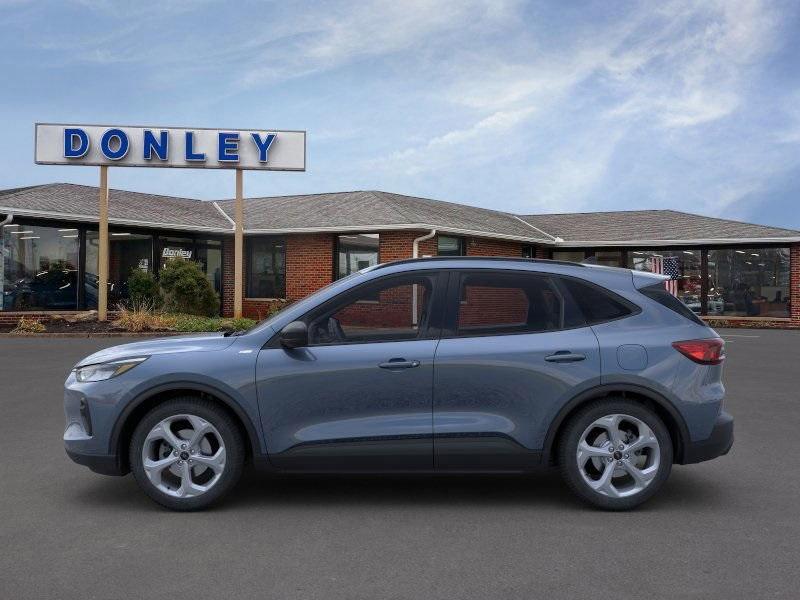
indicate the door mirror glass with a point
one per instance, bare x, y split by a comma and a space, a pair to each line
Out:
294, 335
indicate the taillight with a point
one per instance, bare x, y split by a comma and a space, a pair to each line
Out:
705, 352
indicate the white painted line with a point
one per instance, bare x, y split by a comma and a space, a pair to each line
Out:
727, 335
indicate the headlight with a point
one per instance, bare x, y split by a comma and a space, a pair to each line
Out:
103, 371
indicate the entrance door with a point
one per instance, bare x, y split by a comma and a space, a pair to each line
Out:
359, 397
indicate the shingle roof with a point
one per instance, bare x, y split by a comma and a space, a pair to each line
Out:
366, 211
72, 201
627, 227
374, 210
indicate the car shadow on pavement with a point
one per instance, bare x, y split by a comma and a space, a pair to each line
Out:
539, 490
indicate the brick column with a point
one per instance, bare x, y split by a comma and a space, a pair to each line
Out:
227, 277
794, 283
542, 252
309, 263
492, 247
399, 245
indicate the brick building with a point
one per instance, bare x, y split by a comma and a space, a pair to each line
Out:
730, 272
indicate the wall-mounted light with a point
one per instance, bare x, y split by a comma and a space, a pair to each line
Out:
21, 232
30, 237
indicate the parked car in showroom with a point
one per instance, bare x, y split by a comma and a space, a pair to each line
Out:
436, 365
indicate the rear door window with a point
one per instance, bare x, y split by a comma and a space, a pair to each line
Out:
504, 303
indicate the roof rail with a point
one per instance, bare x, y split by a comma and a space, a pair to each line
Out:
545, 261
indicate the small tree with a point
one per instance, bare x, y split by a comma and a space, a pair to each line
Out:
186, 289
143, 289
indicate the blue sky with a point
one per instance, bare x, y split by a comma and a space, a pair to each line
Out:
521, 106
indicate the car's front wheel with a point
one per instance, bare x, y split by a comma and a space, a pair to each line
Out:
615, 453
186, 453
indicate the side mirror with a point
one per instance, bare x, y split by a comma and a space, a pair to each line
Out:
294, 335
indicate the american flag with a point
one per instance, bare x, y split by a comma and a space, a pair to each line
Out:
668, 265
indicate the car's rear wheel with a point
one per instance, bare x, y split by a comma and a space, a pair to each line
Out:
615, 453
186, 453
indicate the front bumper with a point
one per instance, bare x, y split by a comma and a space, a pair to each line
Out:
717, 444
105, 464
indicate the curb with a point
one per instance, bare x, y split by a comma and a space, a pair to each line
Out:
105, 334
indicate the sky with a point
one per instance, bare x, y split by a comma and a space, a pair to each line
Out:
529, 107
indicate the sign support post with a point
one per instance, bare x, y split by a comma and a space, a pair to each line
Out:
102, 255
238, 244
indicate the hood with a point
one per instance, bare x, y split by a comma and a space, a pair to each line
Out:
169, 345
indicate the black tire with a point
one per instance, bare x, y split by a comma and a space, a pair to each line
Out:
224, 424
574, 429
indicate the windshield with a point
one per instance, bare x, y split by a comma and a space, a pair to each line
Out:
308, 301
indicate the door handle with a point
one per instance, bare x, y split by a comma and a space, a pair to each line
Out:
565, 356
399, 363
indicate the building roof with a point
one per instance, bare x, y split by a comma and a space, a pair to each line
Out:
374, 210
365, 211
80, 202
636, 227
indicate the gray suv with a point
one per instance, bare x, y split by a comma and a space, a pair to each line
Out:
443, 365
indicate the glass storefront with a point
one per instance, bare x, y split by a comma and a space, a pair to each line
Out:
39, 267
128, 251
356, 252
609, 258
683, 265
749, 282
569, 255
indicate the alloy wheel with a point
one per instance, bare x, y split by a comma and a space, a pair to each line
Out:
183, 456
618, 455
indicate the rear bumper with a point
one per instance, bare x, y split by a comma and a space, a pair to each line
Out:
717, 444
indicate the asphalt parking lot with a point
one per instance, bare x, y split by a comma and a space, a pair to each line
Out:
729, 528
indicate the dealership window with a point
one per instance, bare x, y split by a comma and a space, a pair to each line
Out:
39, 267
128, 251
266, 267
684, 266
209, 255
569, 255
748, 282
450, 246
609, 258
355, 252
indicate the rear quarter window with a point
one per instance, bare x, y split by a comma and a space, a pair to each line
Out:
659, 293
597, 304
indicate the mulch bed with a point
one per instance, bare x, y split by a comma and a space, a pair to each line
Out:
84, 327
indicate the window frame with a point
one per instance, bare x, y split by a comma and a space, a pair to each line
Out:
462, 245
248, 271
432, 329
337, 245
454, 302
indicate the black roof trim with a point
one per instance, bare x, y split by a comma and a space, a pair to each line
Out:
544, 261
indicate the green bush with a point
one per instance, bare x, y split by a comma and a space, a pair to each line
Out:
193, 323
143, 289
186, 289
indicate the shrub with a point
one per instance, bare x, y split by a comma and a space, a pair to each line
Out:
26, 325
195, 324
141, 317
143, 289
186, 290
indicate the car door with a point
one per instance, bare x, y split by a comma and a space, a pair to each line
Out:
359, 396
514, 350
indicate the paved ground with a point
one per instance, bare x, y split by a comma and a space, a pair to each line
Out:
725, 529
